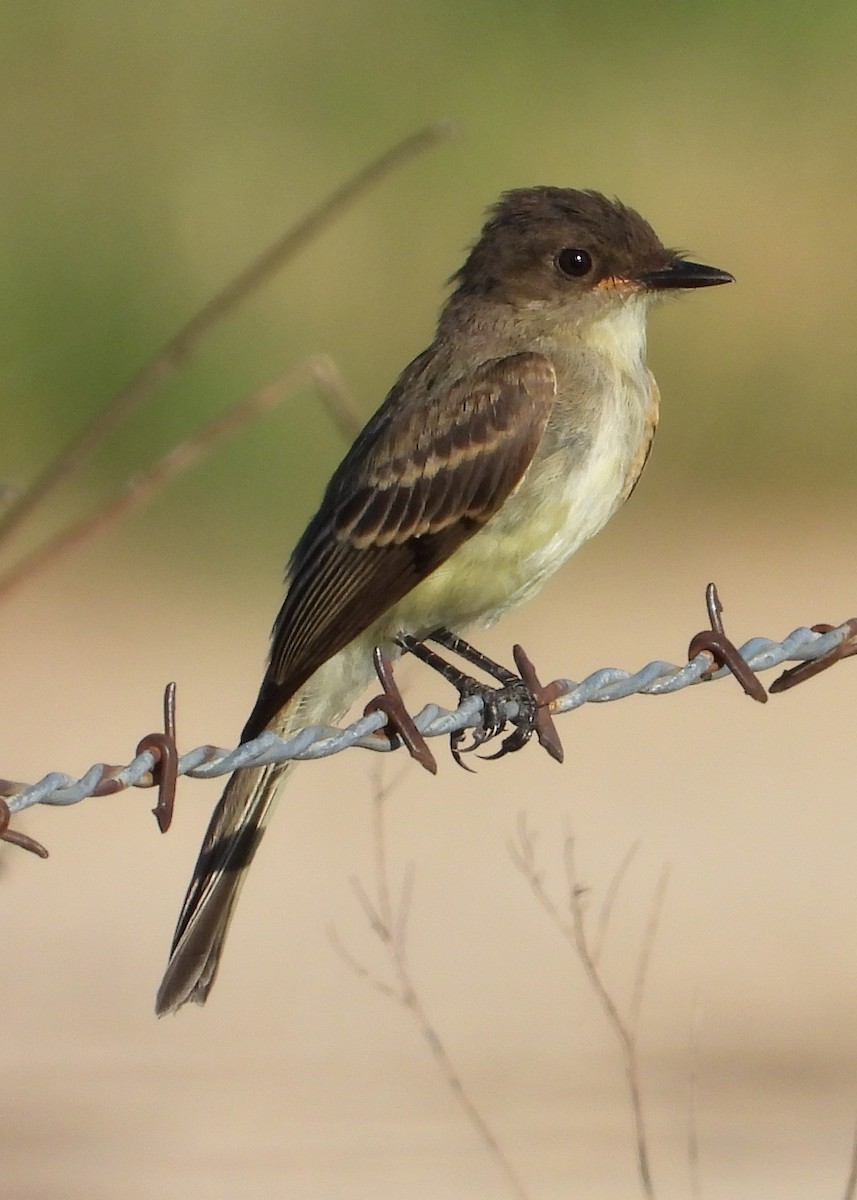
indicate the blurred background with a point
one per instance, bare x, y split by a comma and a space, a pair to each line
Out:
150, 152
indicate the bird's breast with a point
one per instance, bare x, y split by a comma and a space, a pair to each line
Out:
586, 466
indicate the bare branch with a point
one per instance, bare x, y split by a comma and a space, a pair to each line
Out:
371, 913
646, 949
612, 892
400, 933
184, 343
336, 397
851, 1184
359, 969
622, 1030
142, 488
574, 932
389, 922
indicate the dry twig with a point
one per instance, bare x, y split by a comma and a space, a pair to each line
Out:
141, 488
572, 926
851, 1183
184, 343
388, 919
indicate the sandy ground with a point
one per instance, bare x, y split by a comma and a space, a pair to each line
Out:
299, 1079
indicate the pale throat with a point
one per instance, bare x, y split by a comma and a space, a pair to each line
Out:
620, 334
574, 495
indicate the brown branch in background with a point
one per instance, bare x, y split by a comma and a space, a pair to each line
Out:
573, 929
388, 921
646, 948
606, 910
171, 356
143, 487
335, 396
851, 1183
623, 1029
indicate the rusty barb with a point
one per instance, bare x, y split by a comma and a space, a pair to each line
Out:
400, 727
386, 724
107, 780
165, 772
806, 670
13, 837
722, 651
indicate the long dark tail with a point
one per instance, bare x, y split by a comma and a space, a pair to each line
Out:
233, 835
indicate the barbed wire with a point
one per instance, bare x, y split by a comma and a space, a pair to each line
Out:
816, 648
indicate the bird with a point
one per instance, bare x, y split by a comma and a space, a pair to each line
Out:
500, 449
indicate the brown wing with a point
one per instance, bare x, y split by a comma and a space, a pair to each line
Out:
425, 474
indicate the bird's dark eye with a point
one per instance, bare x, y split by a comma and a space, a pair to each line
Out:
574, 262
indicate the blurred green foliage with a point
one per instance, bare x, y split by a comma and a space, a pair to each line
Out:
151, 150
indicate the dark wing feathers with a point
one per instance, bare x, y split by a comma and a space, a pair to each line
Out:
427, 472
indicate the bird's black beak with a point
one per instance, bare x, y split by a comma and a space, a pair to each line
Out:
683, 274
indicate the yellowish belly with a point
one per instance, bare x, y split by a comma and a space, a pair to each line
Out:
565, 498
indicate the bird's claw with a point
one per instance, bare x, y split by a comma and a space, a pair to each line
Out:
494, 720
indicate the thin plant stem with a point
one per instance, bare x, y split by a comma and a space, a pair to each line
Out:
388, 921
622, 1029
184, 343
646, 949
851, 1183
143, 487
574, 931
606, 910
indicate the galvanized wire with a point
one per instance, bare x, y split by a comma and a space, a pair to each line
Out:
610, 683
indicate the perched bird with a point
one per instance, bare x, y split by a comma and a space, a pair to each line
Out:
500, 449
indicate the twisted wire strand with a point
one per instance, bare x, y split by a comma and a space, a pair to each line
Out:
657, 678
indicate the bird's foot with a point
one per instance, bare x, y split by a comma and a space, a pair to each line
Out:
524, 689
494, 719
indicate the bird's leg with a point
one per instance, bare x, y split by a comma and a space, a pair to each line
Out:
493, 718
524, 689
451, 641
512, 687
532, 697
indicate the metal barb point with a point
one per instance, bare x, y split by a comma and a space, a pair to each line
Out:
544, 695
400, 723
806, 670
166, 769
723, 651
17, 839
